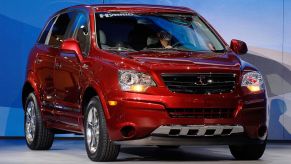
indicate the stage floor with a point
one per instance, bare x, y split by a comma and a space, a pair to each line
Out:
73, 152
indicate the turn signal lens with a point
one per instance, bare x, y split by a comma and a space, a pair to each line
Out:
254, 88
112, 103
138, 88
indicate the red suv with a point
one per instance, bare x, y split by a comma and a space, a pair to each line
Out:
141, 75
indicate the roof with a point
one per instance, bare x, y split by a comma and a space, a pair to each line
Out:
137, 7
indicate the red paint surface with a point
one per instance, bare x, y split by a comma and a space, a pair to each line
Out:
59, 81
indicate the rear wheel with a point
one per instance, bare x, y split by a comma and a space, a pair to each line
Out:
248, 151
37, 136
98, 145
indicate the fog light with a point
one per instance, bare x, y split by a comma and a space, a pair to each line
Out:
112, 103
128, 131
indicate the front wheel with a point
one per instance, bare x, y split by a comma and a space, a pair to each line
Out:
37, 136
248, 151
98, 145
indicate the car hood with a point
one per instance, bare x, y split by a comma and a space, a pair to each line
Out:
194, 60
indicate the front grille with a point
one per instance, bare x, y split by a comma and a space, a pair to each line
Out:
200, 83
201, 113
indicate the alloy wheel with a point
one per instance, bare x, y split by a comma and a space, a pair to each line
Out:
92, 130
30, 122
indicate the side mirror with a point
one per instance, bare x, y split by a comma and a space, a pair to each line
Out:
72, 46
238, 46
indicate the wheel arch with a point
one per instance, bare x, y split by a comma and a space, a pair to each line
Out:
27, 88
91, 91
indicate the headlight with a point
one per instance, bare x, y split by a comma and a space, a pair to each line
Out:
253, 81
134, 81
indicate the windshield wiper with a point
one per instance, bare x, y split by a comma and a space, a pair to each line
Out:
166, 49
182, 50
219, 51
119, 49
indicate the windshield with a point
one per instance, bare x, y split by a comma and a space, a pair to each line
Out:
159, 32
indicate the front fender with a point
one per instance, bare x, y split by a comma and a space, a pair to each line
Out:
97, 87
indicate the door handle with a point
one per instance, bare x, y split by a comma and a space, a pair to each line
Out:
85, 66
38, 60
58, 65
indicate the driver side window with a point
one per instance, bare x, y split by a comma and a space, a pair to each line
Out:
81, 32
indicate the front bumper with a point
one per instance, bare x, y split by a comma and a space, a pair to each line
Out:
194, 135
141, 114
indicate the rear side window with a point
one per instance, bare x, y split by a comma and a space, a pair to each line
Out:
60, 29
46, 31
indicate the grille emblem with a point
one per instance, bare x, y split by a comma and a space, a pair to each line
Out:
202, 80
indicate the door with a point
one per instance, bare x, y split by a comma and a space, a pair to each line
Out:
48, 50
68, 72
44, 71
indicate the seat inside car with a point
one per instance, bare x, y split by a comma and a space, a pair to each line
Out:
138, 37
102, 39
152, 41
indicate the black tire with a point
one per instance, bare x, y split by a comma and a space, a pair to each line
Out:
106, 150
248, 151
43, 137
168, 147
